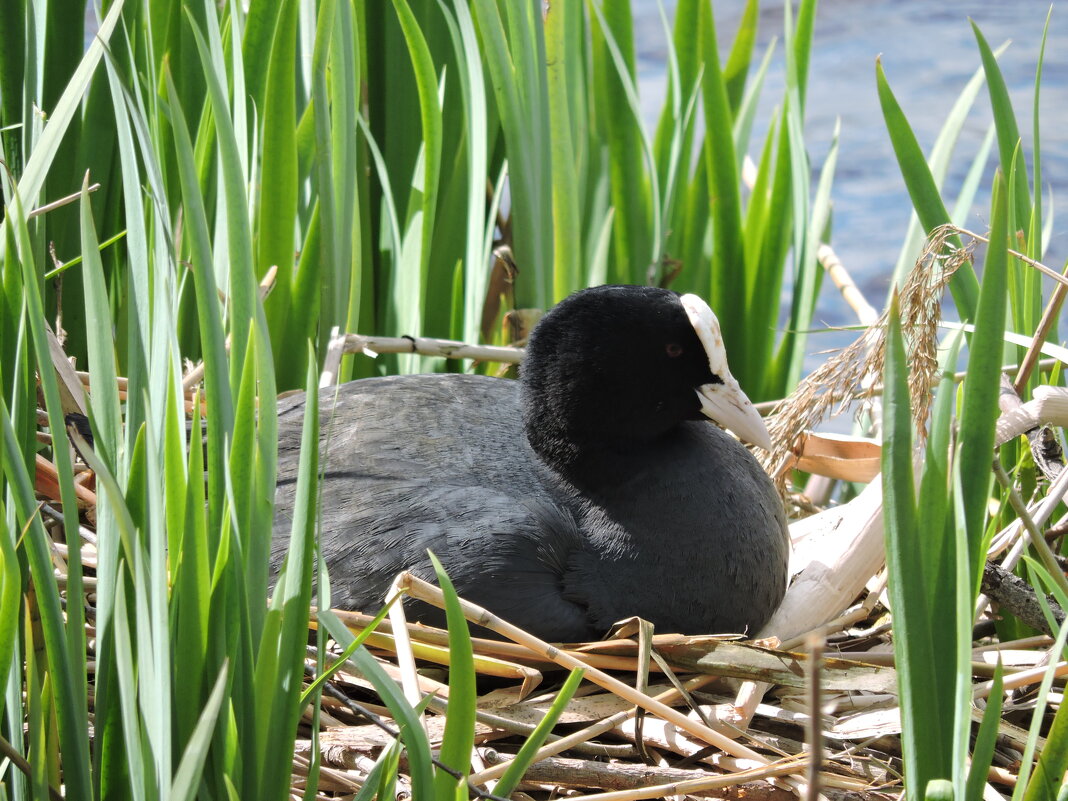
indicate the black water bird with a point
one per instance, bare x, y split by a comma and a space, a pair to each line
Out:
593, 489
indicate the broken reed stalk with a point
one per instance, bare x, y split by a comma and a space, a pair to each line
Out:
425, 346
1038, 542
403, 644
814, 725
866, 313
60, 203
1040, 512
1045, 325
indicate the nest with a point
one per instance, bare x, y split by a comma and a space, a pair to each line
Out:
811, 706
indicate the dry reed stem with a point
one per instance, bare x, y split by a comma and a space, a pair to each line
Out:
60, 203
1038, 542
782, 768
403, 643
814, 727
193, 377
866, 313
1040, 512
588, 733
1042, 268
427, 346
1022, 678
1045, 325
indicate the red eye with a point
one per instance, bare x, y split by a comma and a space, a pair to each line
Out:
673, 349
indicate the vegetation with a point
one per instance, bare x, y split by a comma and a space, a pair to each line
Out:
240, 184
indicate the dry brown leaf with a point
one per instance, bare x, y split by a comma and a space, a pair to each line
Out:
840, 456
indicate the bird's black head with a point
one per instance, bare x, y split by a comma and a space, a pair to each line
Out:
614, 367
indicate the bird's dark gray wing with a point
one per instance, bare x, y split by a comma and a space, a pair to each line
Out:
516, 559
444, 485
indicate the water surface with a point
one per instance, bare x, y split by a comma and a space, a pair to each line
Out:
928, 51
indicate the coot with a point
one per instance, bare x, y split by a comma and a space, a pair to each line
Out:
591, 490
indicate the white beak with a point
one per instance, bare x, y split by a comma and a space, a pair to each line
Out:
724, 402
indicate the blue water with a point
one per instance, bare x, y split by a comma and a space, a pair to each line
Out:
928, 51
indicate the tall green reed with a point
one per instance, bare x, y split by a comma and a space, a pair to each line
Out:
374, 154
939, 528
